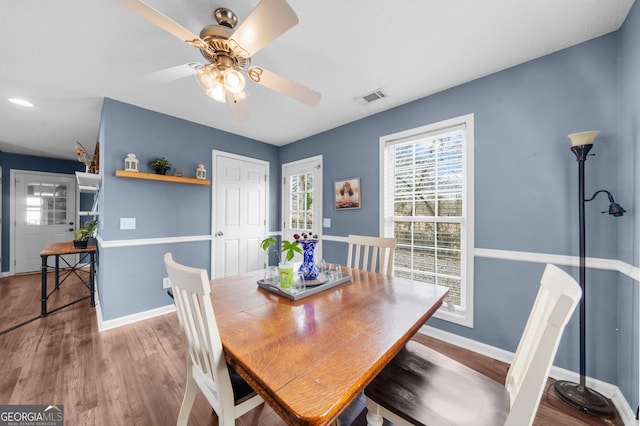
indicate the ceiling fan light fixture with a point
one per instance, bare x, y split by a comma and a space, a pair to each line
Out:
217, 92
234, 81
207, 77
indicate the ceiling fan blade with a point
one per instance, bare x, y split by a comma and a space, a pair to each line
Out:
238, 104
265, 23
284, 86
152, 15
168, 75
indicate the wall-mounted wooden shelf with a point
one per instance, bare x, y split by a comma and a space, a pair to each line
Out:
164, 178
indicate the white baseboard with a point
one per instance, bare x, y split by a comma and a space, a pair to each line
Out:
130, 319
610, 391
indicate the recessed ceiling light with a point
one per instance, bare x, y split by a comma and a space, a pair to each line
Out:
21, 102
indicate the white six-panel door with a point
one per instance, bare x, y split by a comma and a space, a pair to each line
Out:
240, 214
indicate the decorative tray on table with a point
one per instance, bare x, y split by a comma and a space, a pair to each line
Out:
322, 283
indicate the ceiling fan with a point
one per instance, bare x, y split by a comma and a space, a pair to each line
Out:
229, 50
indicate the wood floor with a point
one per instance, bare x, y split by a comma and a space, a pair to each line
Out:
135, 375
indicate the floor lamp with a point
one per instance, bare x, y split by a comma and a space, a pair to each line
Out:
578, 395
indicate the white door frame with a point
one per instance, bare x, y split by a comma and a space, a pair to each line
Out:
214, 156
12, 204
317, 202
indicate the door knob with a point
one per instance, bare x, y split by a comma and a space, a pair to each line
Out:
220, 234
70, 223
70, 229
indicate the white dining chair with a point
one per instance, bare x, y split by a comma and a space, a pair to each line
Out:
373, 254
423, 387
229, 395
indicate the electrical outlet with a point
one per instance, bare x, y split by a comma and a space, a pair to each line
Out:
166, 282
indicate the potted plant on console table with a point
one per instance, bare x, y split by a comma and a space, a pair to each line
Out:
83, 234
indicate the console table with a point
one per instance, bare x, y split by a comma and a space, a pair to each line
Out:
60, 249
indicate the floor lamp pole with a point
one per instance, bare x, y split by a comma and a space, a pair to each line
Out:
579, 395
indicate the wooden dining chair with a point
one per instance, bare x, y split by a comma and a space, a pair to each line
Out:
373, 254
423, 387
229, 395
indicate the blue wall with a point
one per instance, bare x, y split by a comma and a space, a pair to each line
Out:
27, 162
129, 278
629, 235
525, 193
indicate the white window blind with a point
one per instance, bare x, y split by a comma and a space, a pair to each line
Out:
426, 205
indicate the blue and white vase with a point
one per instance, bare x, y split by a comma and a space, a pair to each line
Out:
308, 266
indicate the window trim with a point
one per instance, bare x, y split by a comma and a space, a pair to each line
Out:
451, 314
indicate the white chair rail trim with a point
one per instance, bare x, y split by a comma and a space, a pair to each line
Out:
558, 259
102, 244
631, 271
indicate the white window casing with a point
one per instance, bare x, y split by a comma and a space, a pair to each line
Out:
426, 184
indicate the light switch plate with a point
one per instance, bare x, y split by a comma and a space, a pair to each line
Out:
326, 222
127, 223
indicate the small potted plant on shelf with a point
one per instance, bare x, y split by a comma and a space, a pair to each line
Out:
83, 234
285, 269
160, 165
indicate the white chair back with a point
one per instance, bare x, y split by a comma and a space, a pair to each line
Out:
557, 298
206, 363
373, 254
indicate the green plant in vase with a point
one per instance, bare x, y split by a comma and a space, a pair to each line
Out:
289, 248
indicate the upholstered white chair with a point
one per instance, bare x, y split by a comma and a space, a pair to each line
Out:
373, 254
423, 387
229, 395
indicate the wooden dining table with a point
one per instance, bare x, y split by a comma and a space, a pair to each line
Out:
310, 358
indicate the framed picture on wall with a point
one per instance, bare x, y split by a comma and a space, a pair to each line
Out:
347, 193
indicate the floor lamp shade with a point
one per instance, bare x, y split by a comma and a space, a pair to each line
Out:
583, 138
578, 395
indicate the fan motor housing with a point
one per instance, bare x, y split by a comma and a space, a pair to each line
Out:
217, 36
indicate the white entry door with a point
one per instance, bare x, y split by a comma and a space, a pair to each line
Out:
302, 201
45, 206
240, 214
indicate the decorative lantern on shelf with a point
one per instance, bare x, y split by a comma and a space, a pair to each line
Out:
201, 172
131, 163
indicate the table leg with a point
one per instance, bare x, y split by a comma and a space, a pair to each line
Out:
43, 308
57, 271
92, 272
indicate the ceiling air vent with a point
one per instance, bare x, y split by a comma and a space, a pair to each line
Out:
370, 97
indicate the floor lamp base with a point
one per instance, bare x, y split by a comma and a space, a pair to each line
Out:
584, 399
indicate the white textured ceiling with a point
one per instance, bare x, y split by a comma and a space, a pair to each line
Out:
66, 56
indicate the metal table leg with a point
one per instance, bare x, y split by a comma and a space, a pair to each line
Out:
43, 308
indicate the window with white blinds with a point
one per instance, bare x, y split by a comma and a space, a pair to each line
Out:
427, 204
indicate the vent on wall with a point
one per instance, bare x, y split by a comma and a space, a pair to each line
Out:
371, 97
